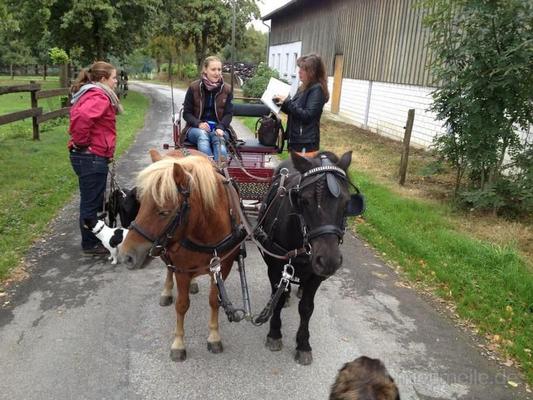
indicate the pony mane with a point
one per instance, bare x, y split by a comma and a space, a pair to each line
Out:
157, 180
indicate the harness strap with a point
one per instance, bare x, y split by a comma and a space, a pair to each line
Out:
251, 231
237, 235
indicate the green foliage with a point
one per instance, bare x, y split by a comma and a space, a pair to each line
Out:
249, 48
189, 71
207, 24
58, 56
511, 195
483, 52
256, 86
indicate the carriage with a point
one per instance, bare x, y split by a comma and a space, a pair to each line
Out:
301, 214
249, 161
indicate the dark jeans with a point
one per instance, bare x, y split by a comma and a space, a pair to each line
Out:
92, 177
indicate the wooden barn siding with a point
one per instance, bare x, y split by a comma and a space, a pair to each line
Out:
382, 40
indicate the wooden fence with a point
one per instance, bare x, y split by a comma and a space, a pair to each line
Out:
35, 112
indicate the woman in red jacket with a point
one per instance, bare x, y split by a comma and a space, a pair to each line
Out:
92, 141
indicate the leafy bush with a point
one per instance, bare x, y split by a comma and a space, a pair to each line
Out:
58, 56
189, 71
256, 86
510, 195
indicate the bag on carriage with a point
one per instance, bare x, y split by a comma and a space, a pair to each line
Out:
268, 129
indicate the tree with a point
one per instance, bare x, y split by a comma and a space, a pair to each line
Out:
249, 48
101, 27
208, 24
483, 64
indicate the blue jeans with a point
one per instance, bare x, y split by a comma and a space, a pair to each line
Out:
207, 142
92, 177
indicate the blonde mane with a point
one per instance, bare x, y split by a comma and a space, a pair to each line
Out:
157, 180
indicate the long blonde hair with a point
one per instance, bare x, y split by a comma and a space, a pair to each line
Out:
157, 180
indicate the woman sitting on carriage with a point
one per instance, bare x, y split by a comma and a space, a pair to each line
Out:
208, 110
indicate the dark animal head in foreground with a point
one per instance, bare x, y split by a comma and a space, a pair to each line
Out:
364, 379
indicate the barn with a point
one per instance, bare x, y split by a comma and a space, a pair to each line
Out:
375, 54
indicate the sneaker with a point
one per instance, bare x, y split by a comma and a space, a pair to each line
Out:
98, 250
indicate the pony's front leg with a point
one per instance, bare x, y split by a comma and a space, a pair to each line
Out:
214, 343
273, 340
166, 295
177, 351
304, 354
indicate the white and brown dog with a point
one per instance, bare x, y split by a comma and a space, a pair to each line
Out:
111, 238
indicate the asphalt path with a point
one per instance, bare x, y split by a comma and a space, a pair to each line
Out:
81, 328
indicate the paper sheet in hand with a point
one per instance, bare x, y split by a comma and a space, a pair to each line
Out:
275, 87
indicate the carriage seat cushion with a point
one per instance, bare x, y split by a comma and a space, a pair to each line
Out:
253, 146
250, 110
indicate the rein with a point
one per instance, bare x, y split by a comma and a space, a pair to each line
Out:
308, 178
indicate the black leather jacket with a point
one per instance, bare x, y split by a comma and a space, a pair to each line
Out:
304, 111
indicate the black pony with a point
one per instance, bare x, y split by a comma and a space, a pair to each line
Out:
301, 227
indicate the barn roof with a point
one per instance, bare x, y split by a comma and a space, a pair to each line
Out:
291, 4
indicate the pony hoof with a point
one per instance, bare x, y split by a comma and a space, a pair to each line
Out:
215, 347
274, 344
193, 289
178, 354
165, 301
300, 292
303, 357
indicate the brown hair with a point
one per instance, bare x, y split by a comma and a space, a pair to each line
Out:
211, 59
316, 71
364, 379
97, 71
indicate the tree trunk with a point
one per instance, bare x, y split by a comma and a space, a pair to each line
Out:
98, 40
63, 75
45, 71
11, 71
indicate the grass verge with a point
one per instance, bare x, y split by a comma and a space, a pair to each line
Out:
36, 178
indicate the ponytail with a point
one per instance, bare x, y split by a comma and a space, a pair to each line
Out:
97, 71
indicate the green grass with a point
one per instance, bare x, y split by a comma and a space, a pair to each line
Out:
36, 178
490, 285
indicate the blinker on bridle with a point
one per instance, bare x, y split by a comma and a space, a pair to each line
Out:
159, 244
333, 174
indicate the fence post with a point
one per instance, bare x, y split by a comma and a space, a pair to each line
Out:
406, 143
33, 96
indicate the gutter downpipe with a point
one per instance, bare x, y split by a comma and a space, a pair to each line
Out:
268, 44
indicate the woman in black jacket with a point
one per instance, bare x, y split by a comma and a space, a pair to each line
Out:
305, 108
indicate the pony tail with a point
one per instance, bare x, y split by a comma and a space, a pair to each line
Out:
83, 77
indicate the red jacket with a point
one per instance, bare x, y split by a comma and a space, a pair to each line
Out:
93, 124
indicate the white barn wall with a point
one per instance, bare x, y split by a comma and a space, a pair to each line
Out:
387, 112
387, 106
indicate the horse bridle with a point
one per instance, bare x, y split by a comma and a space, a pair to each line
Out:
316, 174
160, 243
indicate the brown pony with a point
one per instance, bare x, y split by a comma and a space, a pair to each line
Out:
184, 201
